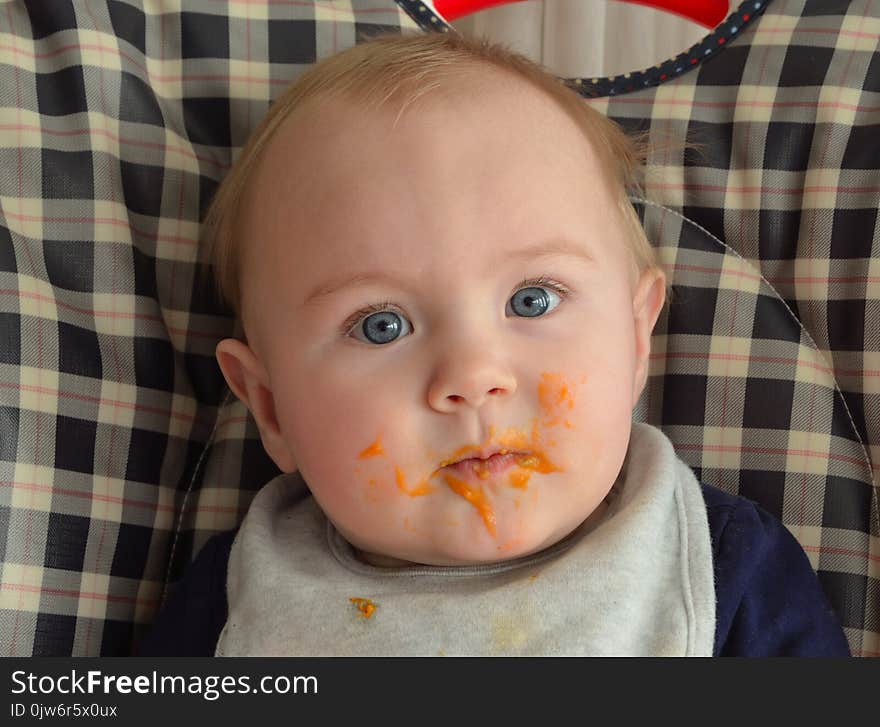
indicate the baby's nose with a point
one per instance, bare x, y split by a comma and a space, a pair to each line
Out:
470, 383
457, 398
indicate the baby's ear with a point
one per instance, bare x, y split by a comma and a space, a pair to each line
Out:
647, 303
249, 381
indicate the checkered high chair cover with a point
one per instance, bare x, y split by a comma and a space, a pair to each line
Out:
121, 451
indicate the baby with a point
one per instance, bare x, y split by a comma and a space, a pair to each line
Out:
448, 302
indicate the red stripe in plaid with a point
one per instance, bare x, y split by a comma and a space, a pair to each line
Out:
841, 551
826, 279
230, 421
97, 313
713, 270
113, 50
335, 9
58, 393
78, 309
114, 345
778, 279
739, 449
705, 355
115, 221
127, 501
671, 356
247, 51
71, 593
803, 503
823, 31
177, 225
661, 103
122, 140
797, 191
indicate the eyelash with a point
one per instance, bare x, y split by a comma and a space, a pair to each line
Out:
544, 282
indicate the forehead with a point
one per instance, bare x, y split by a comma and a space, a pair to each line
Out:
489, 158
476, 112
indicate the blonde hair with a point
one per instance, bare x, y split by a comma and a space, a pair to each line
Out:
403, 68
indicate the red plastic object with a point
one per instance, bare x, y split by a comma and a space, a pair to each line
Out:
705, 12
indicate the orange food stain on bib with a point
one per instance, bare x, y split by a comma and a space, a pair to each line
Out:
364, 605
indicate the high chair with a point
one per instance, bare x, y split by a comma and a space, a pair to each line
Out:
121, 449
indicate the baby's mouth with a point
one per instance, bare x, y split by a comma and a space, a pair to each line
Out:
462, 476
485, 467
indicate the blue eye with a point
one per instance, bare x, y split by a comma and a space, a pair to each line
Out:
533, 301
382, 327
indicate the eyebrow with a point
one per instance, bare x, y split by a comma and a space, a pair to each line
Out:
552, 248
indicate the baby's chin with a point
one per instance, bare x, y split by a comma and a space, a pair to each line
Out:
480, 548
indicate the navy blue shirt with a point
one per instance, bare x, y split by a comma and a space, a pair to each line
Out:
768, 599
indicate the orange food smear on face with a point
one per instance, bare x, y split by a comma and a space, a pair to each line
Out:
422, 489
538, 463
555, 397
364, 605
374, 450
477, 498
553, 394
520, 479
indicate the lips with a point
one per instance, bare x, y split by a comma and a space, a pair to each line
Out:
484, 467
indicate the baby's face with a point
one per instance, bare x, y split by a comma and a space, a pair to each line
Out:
455, 289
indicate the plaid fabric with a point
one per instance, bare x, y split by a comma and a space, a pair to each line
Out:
782, 403
121, 450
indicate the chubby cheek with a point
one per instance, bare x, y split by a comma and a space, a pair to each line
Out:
327, 431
